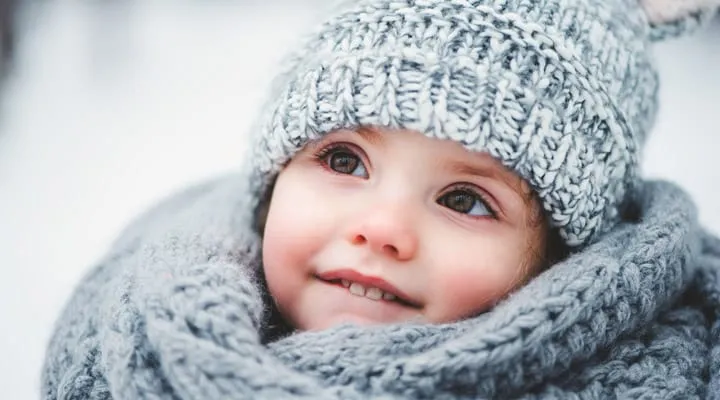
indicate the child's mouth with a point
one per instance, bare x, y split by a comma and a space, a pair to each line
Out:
371, 293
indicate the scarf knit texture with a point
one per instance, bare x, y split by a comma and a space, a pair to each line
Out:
176, 311
563, 92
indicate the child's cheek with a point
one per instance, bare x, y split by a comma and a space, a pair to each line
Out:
466, 290
291, 234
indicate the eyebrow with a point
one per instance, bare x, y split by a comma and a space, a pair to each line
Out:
371, 135
489, 172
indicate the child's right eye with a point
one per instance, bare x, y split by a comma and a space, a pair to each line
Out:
341, 159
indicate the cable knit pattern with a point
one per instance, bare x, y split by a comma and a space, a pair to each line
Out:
563, 92
178, 313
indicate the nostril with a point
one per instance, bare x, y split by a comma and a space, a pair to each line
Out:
359, 239
390, 249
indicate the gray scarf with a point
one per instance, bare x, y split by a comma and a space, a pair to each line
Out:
177, 310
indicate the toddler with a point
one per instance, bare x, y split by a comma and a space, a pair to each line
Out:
441, 201
403, 227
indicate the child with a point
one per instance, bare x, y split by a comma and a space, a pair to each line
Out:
423, 228
441, 201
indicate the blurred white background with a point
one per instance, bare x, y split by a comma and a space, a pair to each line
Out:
113, 104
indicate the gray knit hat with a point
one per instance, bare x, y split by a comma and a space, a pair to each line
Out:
563, 92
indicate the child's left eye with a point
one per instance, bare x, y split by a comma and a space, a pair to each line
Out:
466, 201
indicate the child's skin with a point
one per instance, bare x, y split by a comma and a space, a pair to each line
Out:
452, 231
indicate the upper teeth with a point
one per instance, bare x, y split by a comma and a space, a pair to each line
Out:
372, 293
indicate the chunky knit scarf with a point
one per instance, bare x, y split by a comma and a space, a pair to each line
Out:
177, 310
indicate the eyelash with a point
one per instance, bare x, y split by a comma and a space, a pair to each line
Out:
481, 196
320, 157
330, 149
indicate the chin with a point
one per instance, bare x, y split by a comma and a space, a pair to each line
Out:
351, 319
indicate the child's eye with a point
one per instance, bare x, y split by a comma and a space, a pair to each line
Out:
466, 201
341, 159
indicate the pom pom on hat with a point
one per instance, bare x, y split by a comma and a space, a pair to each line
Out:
672, 18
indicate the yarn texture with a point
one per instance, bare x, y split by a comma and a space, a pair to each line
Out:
562, 92
176, 311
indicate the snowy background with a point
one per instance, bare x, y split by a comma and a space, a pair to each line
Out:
111, 105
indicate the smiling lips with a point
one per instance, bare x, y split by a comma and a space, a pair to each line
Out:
370, 287
371, 293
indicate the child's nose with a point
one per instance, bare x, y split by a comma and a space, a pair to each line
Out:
391, 235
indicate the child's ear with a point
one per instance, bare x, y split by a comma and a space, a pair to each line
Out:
672, 18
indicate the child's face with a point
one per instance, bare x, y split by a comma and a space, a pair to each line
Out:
396, 214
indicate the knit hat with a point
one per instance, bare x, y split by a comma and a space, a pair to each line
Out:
563, 92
